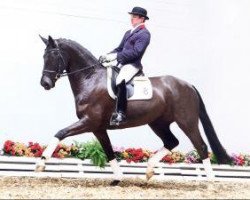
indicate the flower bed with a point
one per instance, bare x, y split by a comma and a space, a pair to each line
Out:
92, 150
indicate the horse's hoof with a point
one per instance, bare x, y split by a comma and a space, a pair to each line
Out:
115, 183
149, 174
40, 168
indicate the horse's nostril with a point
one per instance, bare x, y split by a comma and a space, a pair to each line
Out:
46, 83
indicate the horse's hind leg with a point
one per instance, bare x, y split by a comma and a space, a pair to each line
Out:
191, 129
162, 130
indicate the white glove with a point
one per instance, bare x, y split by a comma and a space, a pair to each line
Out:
108, 57
110, 64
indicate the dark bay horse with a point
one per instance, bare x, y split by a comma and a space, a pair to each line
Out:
173, 100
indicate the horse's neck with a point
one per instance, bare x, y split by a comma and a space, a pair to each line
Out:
86, 80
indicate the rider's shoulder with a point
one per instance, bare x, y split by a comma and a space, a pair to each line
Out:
144, 32
127, 32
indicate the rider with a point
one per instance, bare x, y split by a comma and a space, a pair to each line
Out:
128, 56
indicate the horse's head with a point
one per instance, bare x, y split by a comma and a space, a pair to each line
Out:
54, 64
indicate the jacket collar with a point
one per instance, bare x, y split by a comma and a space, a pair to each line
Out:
138, 27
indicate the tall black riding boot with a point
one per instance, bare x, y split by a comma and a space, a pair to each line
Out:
121, 105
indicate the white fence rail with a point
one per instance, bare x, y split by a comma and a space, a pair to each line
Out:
75, 168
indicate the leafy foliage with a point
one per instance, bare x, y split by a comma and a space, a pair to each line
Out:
92, 150
213, 158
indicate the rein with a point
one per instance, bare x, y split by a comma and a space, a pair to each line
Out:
69, 73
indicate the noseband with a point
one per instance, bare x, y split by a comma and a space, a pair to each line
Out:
62, 67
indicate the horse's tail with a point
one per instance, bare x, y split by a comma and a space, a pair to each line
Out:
217, 148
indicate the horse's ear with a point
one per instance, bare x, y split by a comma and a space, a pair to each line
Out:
44, 40
51, 42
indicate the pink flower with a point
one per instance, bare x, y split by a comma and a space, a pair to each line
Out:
118, 149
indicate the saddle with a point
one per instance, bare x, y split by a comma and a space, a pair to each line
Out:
138, 88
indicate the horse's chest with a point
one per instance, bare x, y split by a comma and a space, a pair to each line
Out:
82, 110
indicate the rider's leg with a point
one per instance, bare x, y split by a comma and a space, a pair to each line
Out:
125, 75
121, 104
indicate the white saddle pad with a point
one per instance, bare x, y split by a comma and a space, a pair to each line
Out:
142, 87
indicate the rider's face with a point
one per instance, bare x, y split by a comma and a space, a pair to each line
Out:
136, 19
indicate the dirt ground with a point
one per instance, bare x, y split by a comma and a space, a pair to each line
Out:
49, 188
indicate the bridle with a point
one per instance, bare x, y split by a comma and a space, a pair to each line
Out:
61, 72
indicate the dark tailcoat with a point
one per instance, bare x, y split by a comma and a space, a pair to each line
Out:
133, 46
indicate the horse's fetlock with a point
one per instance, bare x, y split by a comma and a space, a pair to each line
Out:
204, 148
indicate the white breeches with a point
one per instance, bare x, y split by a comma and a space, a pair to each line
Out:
126, 73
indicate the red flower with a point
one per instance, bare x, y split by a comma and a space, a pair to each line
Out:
55, 155
8, 147
13, 152
36, 149
168, 159
136, 155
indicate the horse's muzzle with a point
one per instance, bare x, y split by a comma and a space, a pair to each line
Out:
47, 83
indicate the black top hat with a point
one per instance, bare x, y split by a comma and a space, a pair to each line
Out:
139, 11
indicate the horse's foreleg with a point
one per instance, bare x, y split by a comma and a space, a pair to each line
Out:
40, 165
103, 138
76, 128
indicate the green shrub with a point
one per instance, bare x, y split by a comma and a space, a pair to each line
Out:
92, 150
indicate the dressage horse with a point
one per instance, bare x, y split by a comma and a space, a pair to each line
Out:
173, 100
